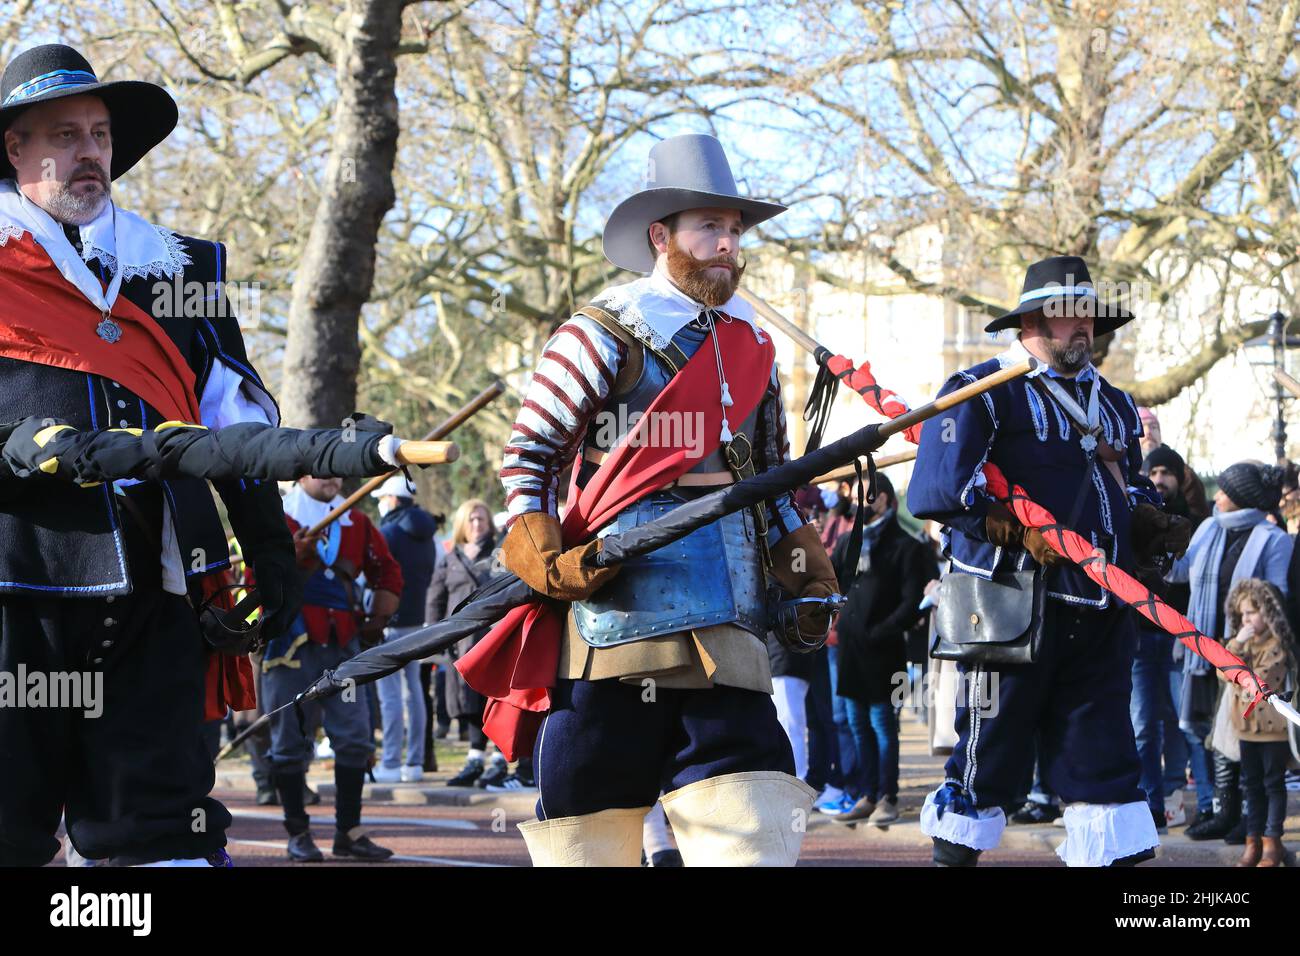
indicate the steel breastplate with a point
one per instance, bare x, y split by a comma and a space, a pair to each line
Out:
712, 576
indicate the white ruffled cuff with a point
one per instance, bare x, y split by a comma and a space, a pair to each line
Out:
1098, 834
981, 834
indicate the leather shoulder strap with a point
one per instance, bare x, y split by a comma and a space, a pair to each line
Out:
671, 355
633, 365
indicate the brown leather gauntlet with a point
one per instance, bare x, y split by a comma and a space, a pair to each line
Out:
1003, 530
534, 550
801, 565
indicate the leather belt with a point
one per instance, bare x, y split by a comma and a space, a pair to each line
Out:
692, 479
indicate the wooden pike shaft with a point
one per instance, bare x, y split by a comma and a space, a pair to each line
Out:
847, 473
944, 402
467, 411
1287, 382
917, 415
801, 338
427, 453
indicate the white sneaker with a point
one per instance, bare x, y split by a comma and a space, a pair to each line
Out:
1175, 815
389, 775
412, 774
830, 800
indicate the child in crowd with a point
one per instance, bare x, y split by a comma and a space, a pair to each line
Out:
1262, 638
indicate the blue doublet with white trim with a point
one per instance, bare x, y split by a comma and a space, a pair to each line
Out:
1031, 438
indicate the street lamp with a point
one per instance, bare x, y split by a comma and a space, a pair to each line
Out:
1278, 341
1277, 322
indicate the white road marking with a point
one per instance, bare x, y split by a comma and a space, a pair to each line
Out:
438, 824
432, 860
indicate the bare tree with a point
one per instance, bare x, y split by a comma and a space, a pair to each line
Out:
1121, 132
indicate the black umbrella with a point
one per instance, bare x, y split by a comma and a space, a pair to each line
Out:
35, 447
506, 591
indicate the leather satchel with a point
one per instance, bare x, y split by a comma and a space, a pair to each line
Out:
982, 621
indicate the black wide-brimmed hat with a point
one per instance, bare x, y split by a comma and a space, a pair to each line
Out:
1061, 285
143, 114
685, 172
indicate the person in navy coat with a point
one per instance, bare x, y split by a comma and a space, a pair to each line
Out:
1070, 438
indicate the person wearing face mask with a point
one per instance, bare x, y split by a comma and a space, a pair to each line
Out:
408, 529
331, 627
1236, 543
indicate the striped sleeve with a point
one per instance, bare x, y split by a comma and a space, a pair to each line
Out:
569, 386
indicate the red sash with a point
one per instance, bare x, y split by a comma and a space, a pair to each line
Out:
515, 664
46, 319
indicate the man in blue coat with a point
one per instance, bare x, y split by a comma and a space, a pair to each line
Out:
1070, 438
409, 531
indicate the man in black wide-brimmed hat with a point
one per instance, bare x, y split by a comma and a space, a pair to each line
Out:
97, 583
1070, 438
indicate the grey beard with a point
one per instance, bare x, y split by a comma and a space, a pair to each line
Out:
64, 206
1069, 358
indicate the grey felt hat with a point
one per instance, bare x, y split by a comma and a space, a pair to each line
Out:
684, 172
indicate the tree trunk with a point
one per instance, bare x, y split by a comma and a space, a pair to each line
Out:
334, 276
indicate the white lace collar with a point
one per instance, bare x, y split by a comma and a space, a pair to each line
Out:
655, 310
122, 241
306, 510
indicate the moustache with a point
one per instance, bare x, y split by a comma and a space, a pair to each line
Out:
89, 169
725, 262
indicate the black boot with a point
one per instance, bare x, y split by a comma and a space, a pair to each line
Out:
289, 785
1227, 802
1135, 858
954, 854
357, 846
348, 782
1237, 835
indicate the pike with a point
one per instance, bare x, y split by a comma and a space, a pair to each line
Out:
849, 472
458, 418
1287, 382
1115, 580
36, 447
506, 591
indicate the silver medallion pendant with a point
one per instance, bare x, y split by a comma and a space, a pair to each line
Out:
1088, 443
329, 574
108, 330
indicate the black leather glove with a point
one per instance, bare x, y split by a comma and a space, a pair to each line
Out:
280, 586
1157, 533
257, 518
33, 445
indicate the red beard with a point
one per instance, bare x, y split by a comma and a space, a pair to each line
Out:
688, 273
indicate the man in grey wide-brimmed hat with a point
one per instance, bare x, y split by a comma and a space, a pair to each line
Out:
663, 683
